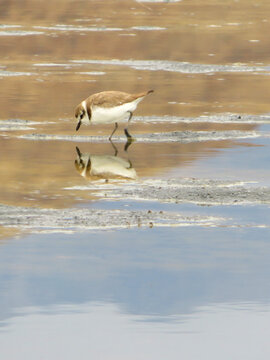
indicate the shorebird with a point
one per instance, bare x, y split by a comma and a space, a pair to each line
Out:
108, 107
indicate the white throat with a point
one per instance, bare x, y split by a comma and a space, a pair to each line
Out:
85, 119
84, 105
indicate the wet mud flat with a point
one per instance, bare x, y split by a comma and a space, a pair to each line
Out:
175, 191
74, 219
223, 126
175, 136
195, 191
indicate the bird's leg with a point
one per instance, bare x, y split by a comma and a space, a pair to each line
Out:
130, 138
114, 130
79, 155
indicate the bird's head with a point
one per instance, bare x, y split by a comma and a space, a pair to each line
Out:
80, 114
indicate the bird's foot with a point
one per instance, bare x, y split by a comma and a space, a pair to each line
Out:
130, 140
129, 137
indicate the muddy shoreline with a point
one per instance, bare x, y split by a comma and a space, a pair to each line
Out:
174, 136
71, 220
179, 191
176, 191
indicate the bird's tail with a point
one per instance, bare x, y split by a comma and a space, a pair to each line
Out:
140, 96
143, 94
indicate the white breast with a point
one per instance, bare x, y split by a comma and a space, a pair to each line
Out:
113, 114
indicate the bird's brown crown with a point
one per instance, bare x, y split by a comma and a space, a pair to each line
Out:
79, 110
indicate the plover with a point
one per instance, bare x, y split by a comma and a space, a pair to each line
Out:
108, 107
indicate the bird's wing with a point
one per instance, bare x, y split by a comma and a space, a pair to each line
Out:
113, 98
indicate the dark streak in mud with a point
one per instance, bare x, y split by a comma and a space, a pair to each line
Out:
215, 119
17, 125
30, 219
196, 191
175, 136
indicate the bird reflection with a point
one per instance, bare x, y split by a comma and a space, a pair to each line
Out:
104, 166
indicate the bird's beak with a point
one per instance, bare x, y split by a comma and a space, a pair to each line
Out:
78, 125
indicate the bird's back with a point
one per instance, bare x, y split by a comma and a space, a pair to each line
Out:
109, 99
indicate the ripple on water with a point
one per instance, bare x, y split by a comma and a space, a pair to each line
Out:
20, 33
158, 1
6, 73
147, 28
7, 26
17, 125
65, 27
176, 66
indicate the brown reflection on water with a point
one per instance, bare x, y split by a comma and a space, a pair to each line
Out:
55, 98
193, 30
6, 233
35, 173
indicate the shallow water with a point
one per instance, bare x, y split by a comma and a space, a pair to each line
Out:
116, 250
123, 295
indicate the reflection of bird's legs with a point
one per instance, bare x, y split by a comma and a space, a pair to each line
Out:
79, 154
114, 130
114, 147
130, 139
126, 129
